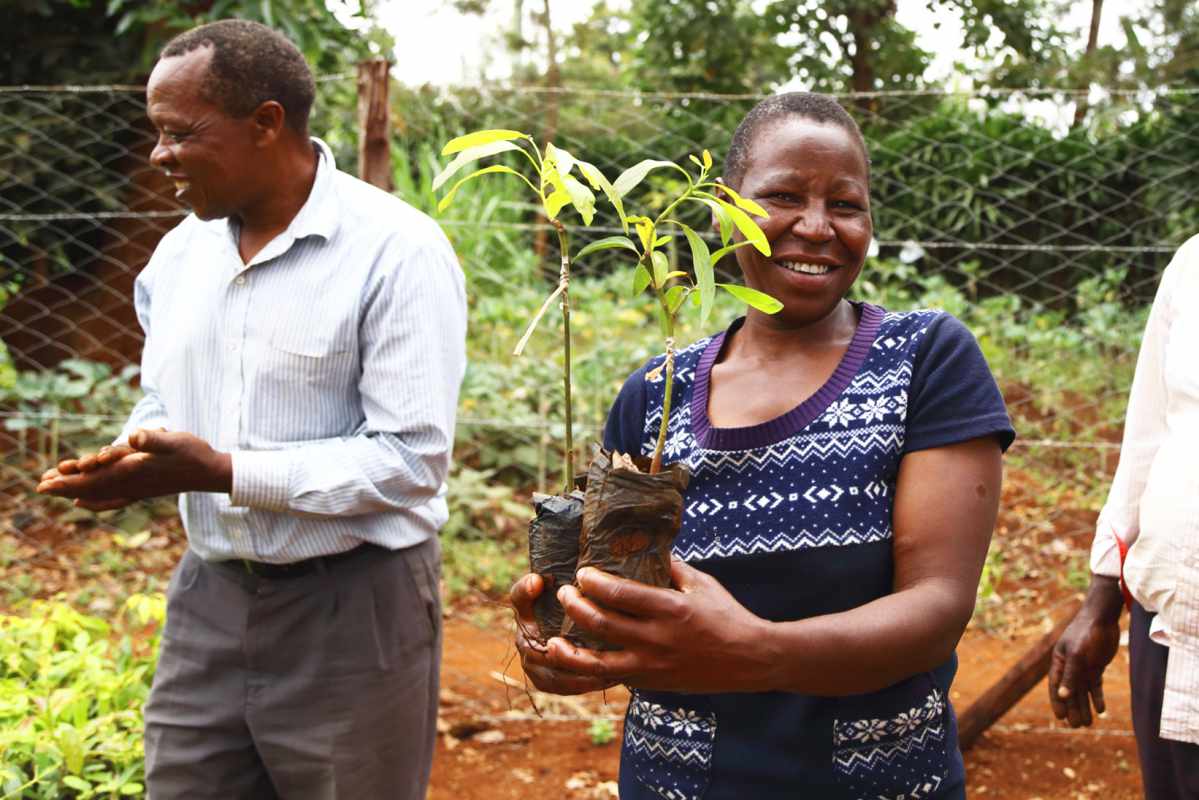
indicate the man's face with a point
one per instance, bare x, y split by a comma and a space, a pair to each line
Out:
207, 153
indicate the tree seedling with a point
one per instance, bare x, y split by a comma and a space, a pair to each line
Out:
674, 288
552, 180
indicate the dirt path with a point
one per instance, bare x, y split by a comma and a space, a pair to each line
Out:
494, 747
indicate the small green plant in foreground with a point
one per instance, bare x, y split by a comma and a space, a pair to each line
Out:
601, 731
71, 696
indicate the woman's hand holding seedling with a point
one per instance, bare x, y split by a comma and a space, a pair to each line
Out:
533, 657
693, 638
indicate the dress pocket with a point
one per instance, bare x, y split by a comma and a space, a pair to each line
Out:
902, 756
669, 750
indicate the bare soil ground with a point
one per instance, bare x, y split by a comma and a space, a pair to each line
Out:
492, 745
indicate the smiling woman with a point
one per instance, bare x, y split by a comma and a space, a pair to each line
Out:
845, 467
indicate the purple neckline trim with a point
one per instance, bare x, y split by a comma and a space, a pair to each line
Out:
795, 420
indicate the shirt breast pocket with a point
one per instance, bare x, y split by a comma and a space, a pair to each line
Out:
307, 357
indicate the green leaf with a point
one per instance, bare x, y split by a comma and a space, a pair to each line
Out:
71, 744
743, 203
641, 279
675, 296
707, 160
635, 174
581, 197
645, 231
564, 161
696, 161
705, 282
661, 240
661, 268
480, 137
722, 218
555, 202
77, 783
678, 273
445, 201
759, 300
749, 229
607, 243
467, 156
724, 251
598, 181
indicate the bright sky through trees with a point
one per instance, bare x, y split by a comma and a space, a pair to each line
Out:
437, 44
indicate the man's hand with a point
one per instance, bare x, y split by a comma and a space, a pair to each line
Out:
533, 660
695, 638
156, 463
1084, 651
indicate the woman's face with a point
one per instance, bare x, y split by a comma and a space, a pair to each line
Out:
812, 180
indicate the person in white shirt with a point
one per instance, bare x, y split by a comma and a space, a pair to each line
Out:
305, 342
1147, 542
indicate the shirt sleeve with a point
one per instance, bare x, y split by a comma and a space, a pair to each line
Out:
149, 411
413, 332
1144, 430
953, 396
625, 428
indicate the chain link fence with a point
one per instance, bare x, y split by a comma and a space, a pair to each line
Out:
1046, 235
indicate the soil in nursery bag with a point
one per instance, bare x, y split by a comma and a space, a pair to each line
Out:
630, 519
554, 553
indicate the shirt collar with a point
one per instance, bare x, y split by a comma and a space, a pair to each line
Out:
319, 214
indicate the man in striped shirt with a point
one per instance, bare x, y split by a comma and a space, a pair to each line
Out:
304, 349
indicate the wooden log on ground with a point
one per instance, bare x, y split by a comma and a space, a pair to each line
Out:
1008, 690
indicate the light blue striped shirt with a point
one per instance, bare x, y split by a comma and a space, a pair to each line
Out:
328, 366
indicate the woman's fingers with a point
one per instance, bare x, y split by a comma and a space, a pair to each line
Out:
524, 592
605, 623
632, 597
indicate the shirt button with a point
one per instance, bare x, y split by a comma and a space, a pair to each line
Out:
240, 280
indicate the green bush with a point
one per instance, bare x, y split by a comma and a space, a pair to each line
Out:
71, 695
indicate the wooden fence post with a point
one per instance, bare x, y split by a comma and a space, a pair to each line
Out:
374, 130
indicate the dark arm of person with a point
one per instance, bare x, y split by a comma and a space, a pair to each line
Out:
697, 638
1087, 646
155, 463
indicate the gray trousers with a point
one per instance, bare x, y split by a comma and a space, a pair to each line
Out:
318, 687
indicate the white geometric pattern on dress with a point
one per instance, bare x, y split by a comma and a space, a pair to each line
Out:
670, 748
782, 542
797, 449
869, 730
871, 754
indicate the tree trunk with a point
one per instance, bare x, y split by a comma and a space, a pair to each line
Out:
1080, 105
863, 24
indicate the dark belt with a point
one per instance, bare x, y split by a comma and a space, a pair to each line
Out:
297, 569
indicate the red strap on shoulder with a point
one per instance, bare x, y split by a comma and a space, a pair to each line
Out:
1124, 586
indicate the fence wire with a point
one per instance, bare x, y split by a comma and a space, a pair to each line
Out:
1045, 236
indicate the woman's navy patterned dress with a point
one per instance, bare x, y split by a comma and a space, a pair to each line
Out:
793, 517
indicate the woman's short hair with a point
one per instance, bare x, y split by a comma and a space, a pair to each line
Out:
806, 105
250, 65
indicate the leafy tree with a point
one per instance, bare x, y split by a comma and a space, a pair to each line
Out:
60, 41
